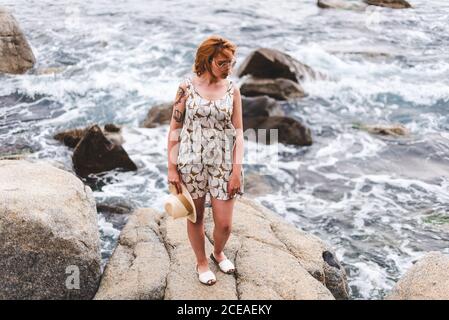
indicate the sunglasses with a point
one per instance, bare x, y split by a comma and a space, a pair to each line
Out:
223, 64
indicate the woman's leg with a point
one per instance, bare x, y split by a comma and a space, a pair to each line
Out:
222, 212
195, 232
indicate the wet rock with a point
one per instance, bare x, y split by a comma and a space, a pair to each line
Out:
110, 127
158, 115
280, 89
16, 55
48, 70
340, 4
261, 106
386, 130
116, 208
265, 113
94, 153
289, 130
428, 279
394, 4
71, 137
272, 64
48, 232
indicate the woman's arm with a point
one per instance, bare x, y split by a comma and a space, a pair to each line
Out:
176, 123
237, 122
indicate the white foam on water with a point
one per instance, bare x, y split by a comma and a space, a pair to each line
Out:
371, 279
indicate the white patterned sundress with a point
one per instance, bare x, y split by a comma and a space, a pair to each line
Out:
206, 146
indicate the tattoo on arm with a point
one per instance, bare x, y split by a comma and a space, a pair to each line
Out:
178, 115
179, 95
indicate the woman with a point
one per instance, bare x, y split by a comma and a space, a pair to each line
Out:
208, 159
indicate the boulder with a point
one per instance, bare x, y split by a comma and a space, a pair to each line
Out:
273, 260
49, 239
71, 137
428, 279
394, 4
114, 207
272, 64
140, 263
94, 153
280, 88
16, 55
261, 106
158, 115
289, 130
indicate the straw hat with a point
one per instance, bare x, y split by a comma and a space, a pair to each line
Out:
180, 205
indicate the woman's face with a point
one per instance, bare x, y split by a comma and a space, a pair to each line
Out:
222, 65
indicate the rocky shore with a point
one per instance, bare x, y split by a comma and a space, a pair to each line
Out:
49, 226
49, 237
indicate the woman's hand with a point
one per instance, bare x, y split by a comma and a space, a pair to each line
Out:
174, 178
234, 185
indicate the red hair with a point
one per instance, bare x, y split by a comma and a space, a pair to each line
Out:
208, 50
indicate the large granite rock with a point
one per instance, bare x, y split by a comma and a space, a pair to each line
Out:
49, 236
428, 279
16, 55
140, 263
254, 221
273, 260
272, 64
394, 4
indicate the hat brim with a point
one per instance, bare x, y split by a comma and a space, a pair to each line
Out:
192, 217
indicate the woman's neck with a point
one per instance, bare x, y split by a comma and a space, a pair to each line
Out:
207, 78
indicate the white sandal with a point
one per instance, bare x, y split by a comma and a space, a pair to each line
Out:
207, 277
225, 266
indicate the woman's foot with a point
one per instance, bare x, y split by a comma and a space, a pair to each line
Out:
223, 263
205, 275
202, 266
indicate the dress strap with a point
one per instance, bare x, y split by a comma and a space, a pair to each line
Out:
188, 84
230, 88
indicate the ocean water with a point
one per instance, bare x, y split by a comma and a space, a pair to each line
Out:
380, 202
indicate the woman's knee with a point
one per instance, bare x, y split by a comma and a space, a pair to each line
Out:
224, 228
